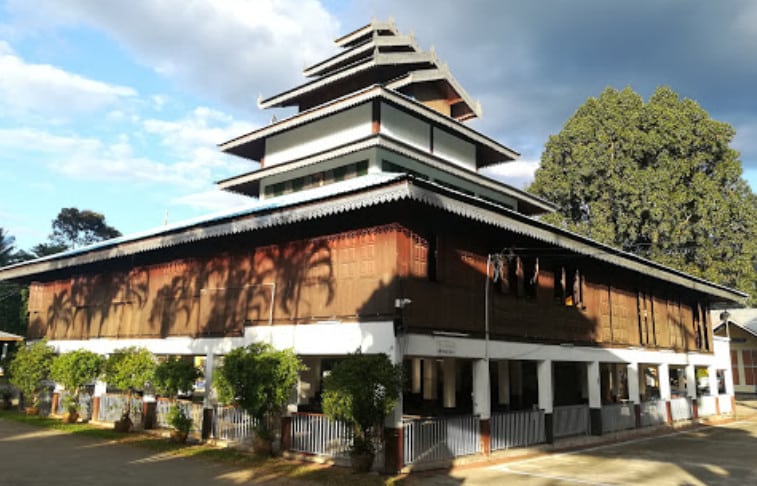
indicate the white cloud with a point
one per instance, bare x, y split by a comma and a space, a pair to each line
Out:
519, 173
213, 200
233, 50
48, 90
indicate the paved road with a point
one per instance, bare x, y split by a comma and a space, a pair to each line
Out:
717, 455
36, 456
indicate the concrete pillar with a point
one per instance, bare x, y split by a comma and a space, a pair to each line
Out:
546, 400
595, 397
393, 442
691, 381
209, 368
482, 401
100, 388
728, 377
415, 375
740, 366
503, 382
712, 375
429, 379
664, 373
481, 389
632, 372
448, 377
633, 383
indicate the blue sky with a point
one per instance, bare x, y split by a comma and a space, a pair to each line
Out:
118, 106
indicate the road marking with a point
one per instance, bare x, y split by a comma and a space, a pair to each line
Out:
549, 476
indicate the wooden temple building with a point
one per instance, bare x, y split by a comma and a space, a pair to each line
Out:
371, 226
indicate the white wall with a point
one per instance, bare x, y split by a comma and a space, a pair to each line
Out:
330, 132
403, 127
452, 148
328, 338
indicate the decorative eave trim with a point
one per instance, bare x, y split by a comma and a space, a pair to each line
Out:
361, 32
360, 49
438, 74
283, 99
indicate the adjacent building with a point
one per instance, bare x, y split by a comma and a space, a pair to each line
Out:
370, 225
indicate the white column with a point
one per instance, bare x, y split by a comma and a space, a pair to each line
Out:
728, 377
712, 375
664, 373
448, 377
633, 383
415, 375
100, 388
593, 382
429, 379
209, 367
544, 376
503, 382
691, 381
481, 389
394, 418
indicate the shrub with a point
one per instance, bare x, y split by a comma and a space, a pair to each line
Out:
259, 379
130, 369
362, 389
174, 375
73, 370
30, 367
178, 419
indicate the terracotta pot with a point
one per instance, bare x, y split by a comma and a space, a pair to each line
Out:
179, 436
123, 425
361, 462
262, 447
70, 417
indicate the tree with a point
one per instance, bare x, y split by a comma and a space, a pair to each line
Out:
259, 379
362, 389
73, 370
129, 369
30, 367
175, 375
658, 179
73, 228
7, 248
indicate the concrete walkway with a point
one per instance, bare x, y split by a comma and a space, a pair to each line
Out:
724, 454
37, 456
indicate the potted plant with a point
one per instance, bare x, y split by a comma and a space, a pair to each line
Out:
172, 376
29, 368
129, 369
362, 389
180, 423
73, 370
260, 379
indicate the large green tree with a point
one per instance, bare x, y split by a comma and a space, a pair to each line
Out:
13, 297
73, 228
655, 178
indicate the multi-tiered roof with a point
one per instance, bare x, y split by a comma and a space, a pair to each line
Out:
385, 104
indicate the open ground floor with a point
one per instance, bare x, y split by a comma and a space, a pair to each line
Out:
464, 396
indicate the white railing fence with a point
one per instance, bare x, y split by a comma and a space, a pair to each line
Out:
653, 412
707, 406
232, 424
571, 420
440, 438
314, 433
517, 429
618, 416
680, 408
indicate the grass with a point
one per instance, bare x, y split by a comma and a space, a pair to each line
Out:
259, 467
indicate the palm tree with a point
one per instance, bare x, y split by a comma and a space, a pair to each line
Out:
7, 248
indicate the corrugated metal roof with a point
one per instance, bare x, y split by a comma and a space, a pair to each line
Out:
351, 195
6, 336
